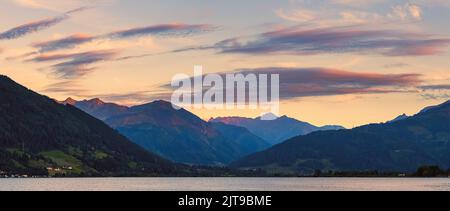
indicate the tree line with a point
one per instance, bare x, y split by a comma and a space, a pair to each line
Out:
423, 171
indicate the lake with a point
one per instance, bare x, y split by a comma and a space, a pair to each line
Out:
226, 184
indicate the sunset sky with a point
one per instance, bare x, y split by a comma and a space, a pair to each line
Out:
346, 62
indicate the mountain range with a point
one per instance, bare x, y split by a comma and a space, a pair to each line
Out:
42, 137
97, 107
274, 131
400, 146
180, 136
175, 134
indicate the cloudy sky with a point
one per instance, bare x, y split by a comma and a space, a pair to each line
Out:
348, 62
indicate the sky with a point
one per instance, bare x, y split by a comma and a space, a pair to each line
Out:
345, 62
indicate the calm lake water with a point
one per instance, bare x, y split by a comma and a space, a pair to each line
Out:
225, 184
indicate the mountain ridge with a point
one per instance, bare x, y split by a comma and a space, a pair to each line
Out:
274, 131
96, 107
41, 136
402, 146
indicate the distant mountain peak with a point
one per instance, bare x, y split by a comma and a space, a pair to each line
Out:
69, 101
268, 117
100, 109
96, 101
399, 118
161, 104
403, 116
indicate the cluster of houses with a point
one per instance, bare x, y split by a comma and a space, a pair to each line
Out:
64, 168
4, 174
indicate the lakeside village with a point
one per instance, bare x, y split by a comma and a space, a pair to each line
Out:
422, 172
51, 171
